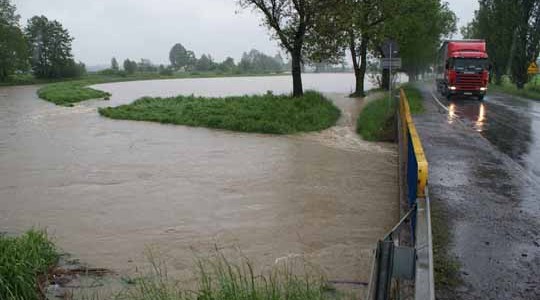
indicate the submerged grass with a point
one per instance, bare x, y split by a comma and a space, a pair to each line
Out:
219, 278
22, 260
70, 91
277, 114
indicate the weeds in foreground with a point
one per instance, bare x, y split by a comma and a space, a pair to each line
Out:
22, 260
219, 278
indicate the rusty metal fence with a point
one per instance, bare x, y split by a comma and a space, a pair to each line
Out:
403, 260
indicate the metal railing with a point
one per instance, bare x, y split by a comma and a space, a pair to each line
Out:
403, 262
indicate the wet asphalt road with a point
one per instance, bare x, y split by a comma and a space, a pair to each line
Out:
485, 173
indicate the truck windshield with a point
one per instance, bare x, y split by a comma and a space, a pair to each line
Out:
470, 64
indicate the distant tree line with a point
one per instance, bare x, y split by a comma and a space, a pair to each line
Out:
182, 60
511, 29
42, 47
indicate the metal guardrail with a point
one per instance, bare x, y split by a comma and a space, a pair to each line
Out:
403, 262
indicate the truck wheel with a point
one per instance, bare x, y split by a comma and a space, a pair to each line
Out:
481, 97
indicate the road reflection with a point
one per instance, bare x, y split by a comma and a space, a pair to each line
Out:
505, 122
481, 120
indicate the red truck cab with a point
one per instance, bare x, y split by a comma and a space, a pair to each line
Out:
463, 68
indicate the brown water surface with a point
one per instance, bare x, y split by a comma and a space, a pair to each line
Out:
107, 189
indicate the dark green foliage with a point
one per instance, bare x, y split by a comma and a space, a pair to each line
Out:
181, 58
511, 29
50, 49
264, 113
13, 49
205, 63
22, 259
130, 67
114, 64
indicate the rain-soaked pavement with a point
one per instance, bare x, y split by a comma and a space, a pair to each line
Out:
107, 189
485, 173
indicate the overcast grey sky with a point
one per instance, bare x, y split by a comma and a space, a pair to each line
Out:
147, 29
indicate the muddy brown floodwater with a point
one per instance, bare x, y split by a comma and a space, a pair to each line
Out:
107, 189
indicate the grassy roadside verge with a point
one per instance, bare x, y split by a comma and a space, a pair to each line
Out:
68, 92
529, 92
22, 260
377, 120
277, 114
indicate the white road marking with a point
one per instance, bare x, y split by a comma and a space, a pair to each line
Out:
438, 101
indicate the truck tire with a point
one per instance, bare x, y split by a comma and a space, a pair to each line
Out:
481, 97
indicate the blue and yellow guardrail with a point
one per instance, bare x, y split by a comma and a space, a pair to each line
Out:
417, 165
407, 256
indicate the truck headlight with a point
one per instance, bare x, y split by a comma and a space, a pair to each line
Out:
483, 89
453, 88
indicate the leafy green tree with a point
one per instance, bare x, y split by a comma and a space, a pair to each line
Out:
13, 50
130, 67
258, 62
290, 21
146, 66
420, 32
114, 64
181, 58
227, 66
205, 63
511, 29
50, 48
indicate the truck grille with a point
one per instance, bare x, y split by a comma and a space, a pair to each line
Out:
468, 81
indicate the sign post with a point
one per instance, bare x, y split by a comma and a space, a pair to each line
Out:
390, 50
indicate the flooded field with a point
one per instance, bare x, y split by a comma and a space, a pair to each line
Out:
108, 189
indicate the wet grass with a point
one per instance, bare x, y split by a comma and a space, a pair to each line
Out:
277, 114
416, 101
22, 260
446, 266
67, 93
531, 90
377, 122
220, 278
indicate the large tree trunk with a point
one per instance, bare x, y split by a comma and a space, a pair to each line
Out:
359, 68
296, 58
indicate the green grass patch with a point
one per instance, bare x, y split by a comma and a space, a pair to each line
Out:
377, 121
416, 101
67, 93
278, 114
446, 266
530, 91
22, 260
